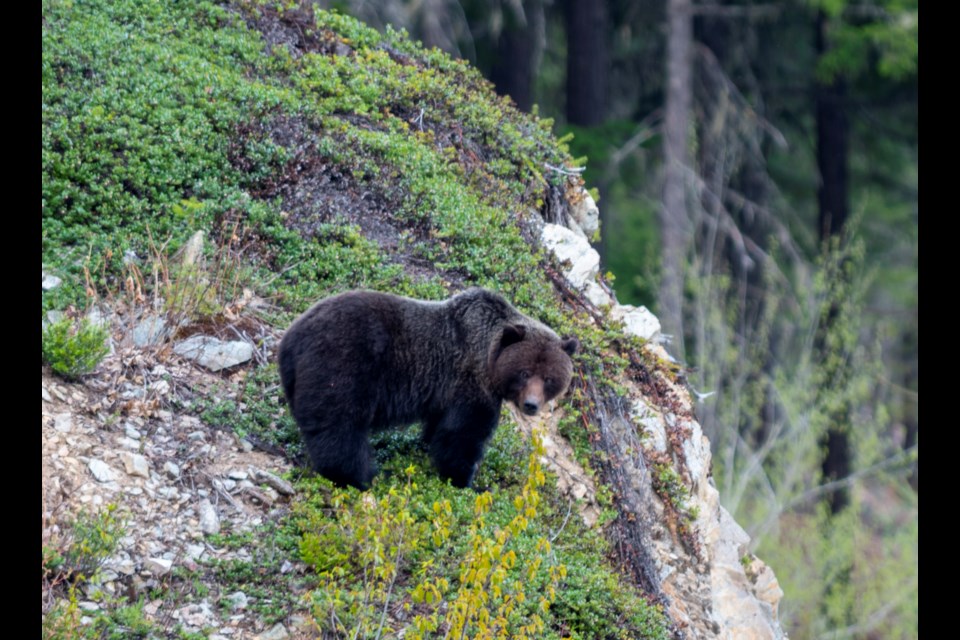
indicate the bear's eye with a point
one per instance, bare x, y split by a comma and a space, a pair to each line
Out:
548, 382
524, 375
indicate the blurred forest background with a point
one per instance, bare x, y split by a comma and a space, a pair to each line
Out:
757, 166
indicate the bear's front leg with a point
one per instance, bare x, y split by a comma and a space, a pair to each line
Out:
457, 441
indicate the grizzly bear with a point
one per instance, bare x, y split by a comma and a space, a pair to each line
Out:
362, 361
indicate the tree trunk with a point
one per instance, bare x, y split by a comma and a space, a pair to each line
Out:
588, 33
833, 134
674, 217
518, 51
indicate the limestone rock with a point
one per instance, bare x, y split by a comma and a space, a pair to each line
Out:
101, 471
135, 464
637, 321
214, 354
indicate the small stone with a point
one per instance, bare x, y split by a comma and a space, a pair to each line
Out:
55, 315
131, 432
45, 395
101, 471
567, 246
197, 436
49, 281
194, 551
168, 493
171, 469
197, 615
237, 474
160, 387
129, 443
98, 318
214, 354
158, 566
125, 566
209, 520
238, 600
276, 632
246, 446
637, 321
63, 422
135, 464
586, 213
151, 330
86, 605
286, 567
274, 482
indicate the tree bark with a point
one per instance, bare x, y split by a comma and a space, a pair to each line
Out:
588, 33
833, 135
518, 51
674, 216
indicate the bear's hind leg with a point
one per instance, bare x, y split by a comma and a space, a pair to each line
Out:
458, 439
341, 455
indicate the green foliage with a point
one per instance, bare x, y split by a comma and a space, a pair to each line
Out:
455, 561
73, 350
84, 544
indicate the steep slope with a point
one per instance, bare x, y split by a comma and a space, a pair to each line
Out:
318, 155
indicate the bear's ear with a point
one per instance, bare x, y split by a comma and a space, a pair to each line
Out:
512, 334
570, 345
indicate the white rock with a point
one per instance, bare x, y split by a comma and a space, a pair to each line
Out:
696, 451
158, 566
45, 395
131, 432
209, 520
160, 387
171, 469
238, 600
129, 443
49, 281
567, 246
276, 632
652, 424
214, 354
150, 330
597, 295
98, 317
135, 464
237, 474
197, 615
637, 321
101, 471
194, 551
63, 422
585, 213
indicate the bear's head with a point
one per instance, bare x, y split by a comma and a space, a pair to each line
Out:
530, 367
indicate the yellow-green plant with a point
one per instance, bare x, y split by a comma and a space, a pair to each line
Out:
378, 556
490, 598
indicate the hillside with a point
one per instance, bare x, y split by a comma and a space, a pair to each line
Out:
211, 170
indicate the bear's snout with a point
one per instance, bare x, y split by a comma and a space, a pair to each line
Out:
532, 396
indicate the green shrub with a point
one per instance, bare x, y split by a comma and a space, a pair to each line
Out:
86, 542
71, 350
